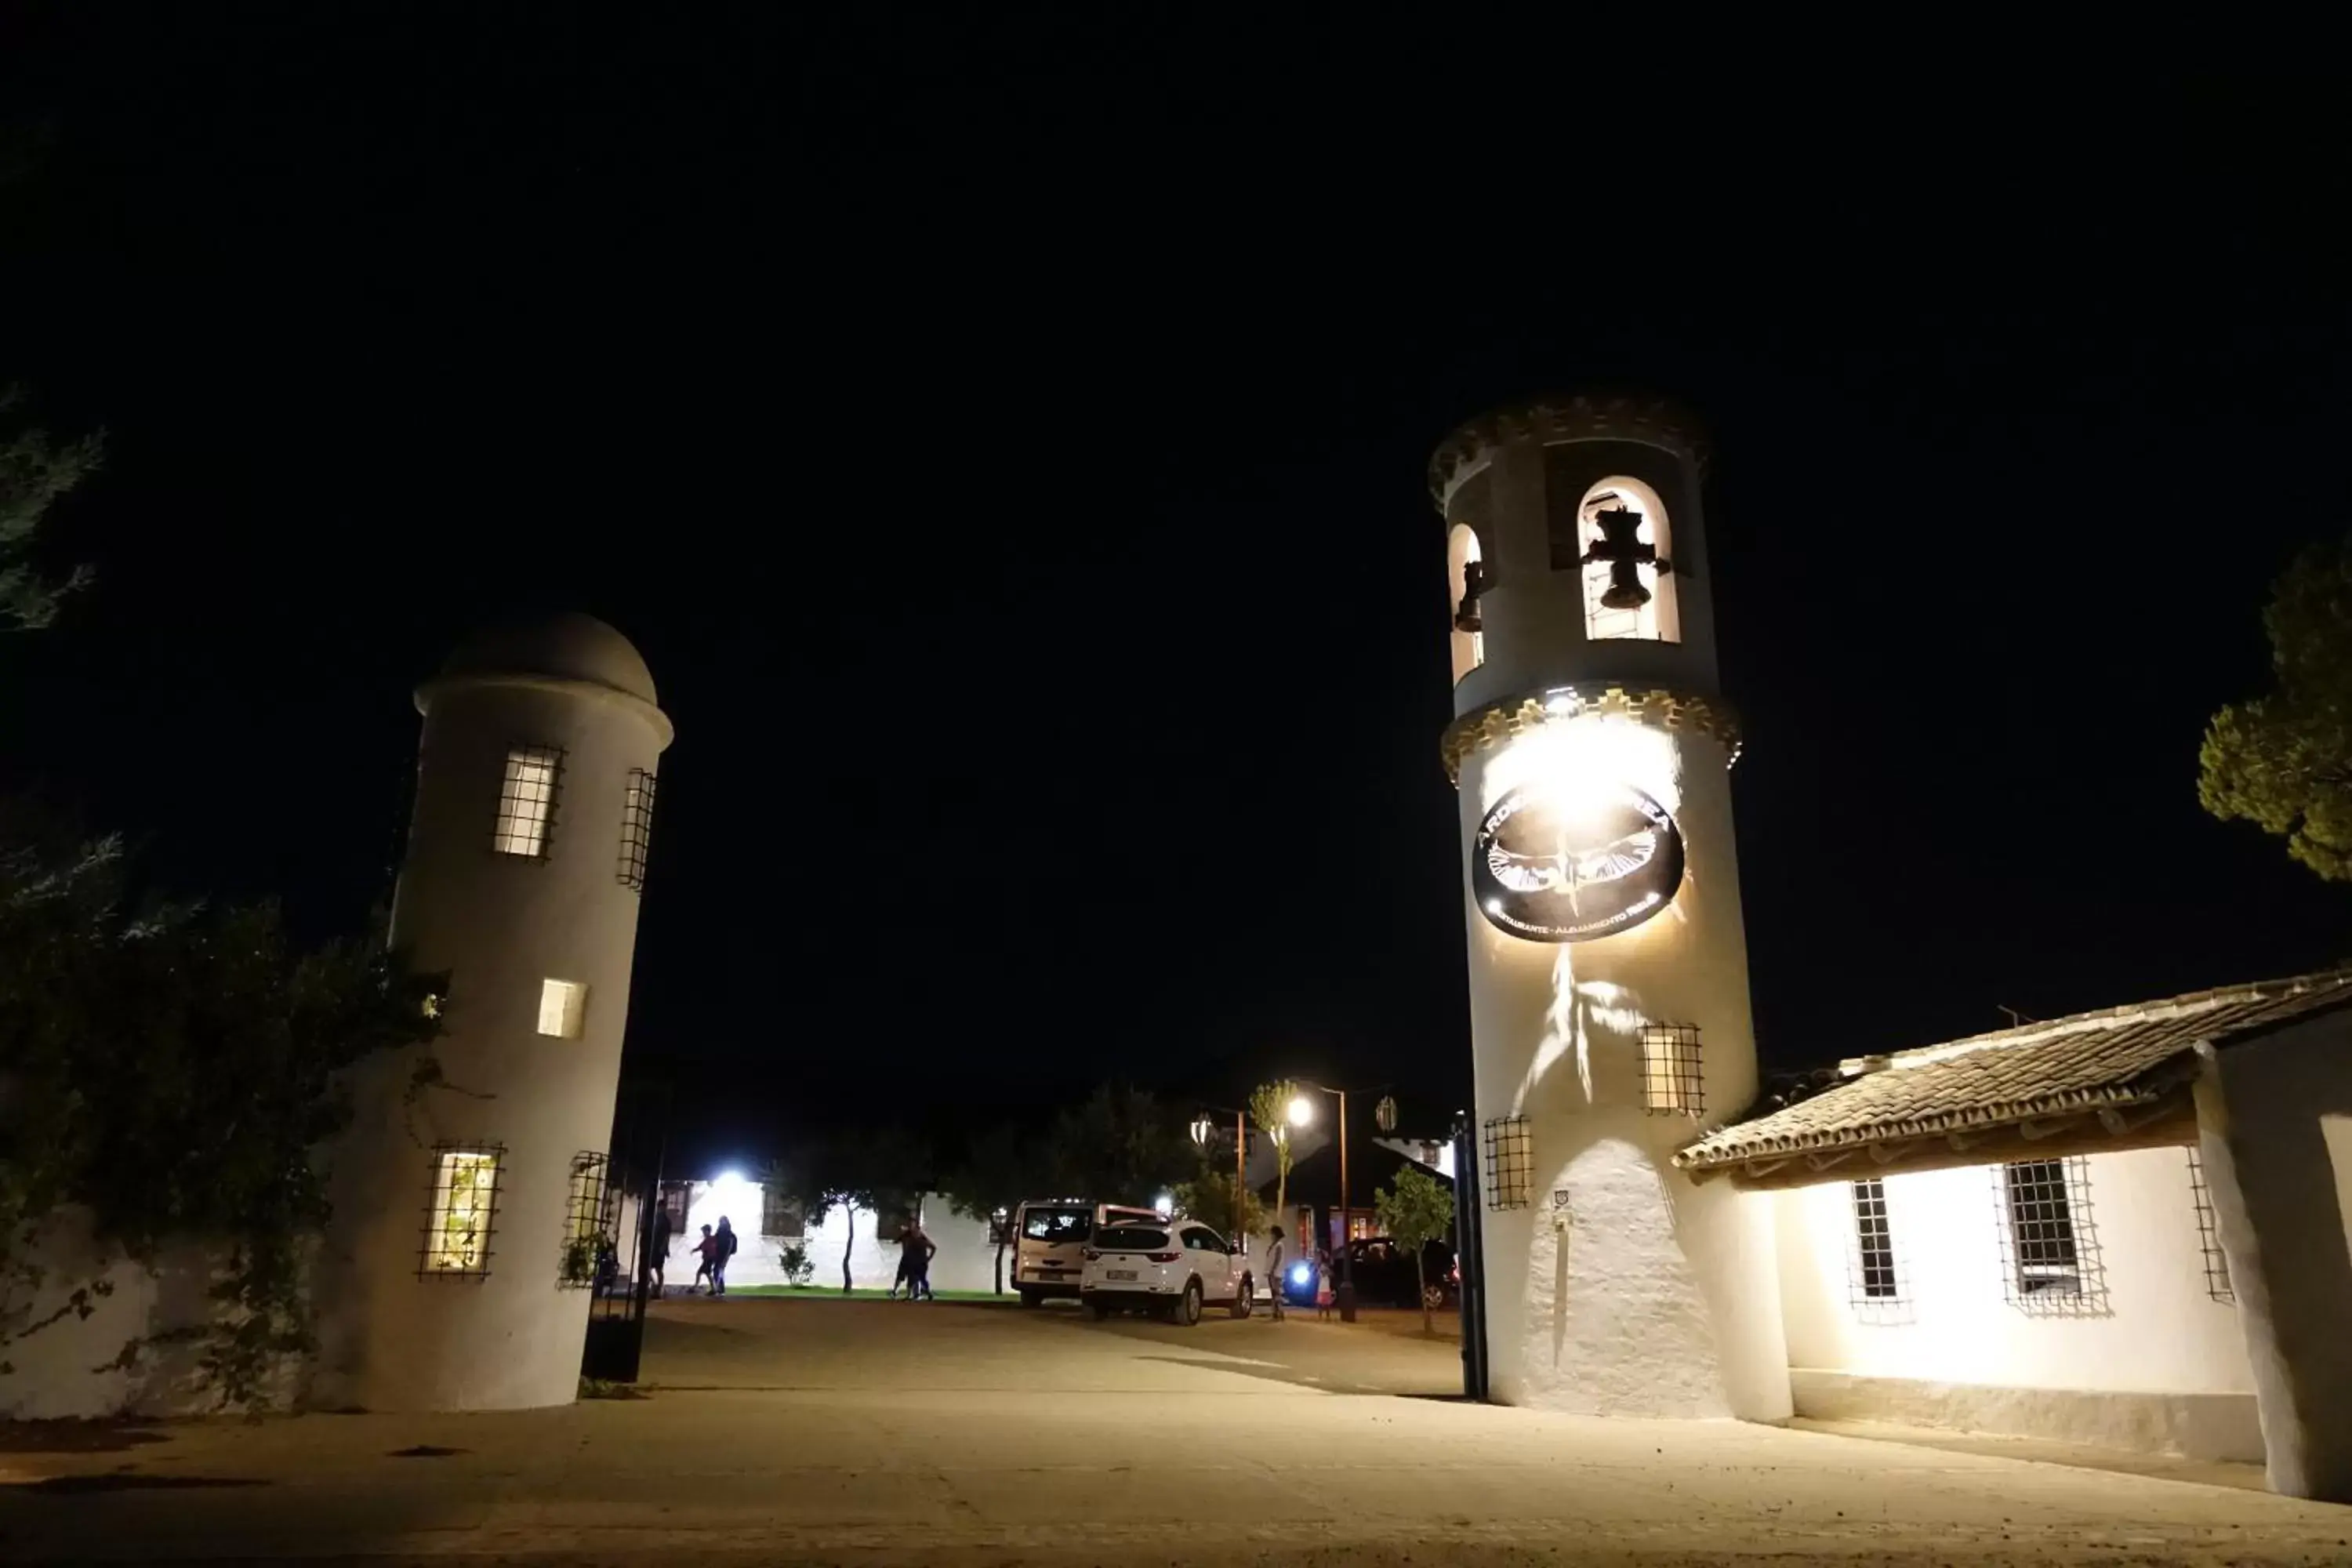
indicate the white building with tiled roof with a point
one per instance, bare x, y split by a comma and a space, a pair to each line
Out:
2127, 1227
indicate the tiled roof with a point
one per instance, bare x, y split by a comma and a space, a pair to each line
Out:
2118, 1056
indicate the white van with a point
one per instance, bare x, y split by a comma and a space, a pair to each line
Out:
1049, 1240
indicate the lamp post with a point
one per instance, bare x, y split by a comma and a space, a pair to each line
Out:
1301, 1110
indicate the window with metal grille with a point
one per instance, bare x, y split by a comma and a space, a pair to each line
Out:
461, 1212
636, 828
1670, 1071
2208, 1233
1874, 1283
2050, 1253
526, 801
781, 1213
587, 1221
1510, 1162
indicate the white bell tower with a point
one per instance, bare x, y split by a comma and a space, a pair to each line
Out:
1608, 963
456, 1262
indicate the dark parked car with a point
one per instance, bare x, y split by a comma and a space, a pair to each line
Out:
1384, 1275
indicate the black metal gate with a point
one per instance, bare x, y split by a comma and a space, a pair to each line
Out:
1470, 1255
616, 1307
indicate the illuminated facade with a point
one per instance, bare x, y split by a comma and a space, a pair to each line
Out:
449, 1277
1608, 963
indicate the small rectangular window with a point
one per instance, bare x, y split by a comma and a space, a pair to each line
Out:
561, 1006
636, 828
461, 1213
1510, 1162
1876, 1283
526, 801
1670, 1085
2049, 1252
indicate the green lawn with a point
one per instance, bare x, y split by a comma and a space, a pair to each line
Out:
822, 1293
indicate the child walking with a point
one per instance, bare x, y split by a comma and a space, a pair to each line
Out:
1322, 1287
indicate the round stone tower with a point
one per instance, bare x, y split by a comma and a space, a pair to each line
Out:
1600, 892
468, 1201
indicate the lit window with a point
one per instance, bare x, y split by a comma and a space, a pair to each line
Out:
1467, 580
464, 1206
636, 828
1623, 550
526, 801
2050, 1259
561, 1004
1873, 1246
1670, 1085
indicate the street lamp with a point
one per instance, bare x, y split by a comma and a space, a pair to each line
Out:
1300, 1110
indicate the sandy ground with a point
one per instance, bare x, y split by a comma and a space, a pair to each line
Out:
786, 1431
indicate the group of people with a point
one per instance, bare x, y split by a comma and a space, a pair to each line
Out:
1324, 1296
713, 1253
915, 1253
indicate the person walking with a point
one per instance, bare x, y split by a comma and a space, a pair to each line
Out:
899, 1282
658, 1259
915, 1253
726, 1240
707, 1250
1322, 1287
1273, 1268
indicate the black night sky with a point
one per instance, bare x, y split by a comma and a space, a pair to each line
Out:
1009, 453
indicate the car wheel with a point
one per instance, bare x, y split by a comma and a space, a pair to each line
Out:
1242, 1301
1432, 1296
1187, 1306
1031, 1299
1101, 1310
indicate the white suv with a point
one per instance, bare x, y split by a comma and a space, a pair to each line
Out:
1170, 1267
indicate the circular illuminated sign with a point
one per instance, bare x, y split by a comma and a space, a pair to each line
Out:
1572, 865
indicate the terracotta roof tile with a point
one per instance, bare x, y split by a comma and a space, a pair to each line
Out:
2116, 1057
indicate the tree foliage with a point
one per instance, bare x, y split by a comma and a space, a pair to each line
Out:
1001, 1169
880, 1172
35, 472
1219, 1198
1122, 1146
2283, 760
1417, 1213
1269, 1107
173, 1071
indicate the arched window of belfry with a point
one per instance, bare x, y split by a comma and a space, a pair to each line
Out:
1627, 563
1466, 577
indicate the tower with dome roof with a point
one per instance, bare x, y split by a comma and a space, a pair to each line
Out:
468, 1191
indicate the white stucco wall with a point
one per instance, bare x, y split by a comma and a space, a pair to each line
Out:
2274, 1117
1663, 1299
2161, 1333
57, 1371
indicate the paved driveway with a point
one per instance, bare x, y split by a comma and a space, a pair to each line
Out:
871, 1432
